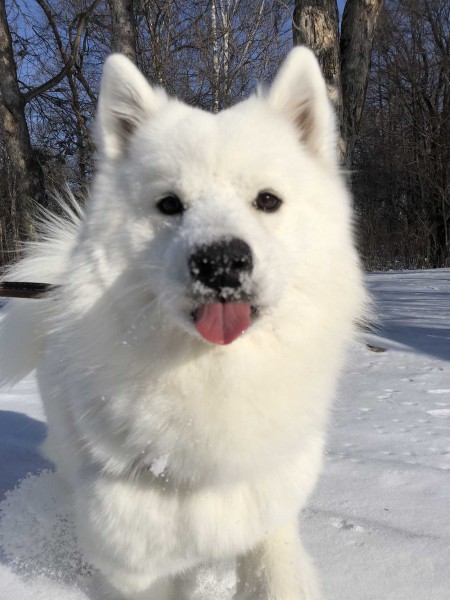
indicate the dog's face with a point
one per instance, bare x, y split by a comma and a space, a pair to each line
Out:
210, 217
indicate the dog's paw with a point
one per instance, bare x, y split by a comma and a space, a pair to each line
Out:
165, 589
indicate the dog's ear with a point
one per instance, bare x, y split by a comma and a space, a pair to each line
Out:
125, 100
299, 91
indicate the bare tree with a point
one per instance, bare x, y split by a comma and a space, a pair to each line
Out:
345, 60
55, 55
24, 174
216, 64
316, 25
211, 53
123, 28
357, 32
71, 60
403, 151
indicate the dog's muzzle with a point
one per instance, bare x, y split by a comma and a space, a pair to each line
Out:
220, 274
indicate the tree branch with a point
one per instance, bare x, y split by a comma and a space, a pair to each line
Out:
82, 22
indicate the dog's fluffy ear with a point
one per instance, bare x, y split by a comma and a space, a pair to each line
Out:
299, 91
125, 100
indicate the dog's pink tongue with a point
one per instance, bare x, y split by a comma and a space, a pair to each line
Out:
222, 323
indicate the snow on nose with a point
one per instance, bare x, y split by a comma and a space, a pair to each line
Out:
222, 264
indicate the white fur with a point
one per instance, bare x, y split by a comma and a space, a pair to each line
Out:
179, 451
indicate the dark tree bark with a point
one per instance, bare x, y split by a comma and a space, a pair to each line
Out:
123, 28
316, 25
357, 32
345, 62
25, 175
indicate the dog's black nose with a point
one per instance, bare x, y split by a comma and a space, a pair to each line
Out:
221, 264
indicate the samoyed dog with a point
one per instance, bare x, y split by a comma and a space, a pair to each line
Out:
189, 353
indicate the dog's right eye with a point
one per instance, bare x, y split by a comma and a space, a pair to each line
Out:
267, 202
170, 205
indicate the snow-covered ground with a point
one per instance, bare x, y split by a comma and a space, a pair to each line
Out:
379, 522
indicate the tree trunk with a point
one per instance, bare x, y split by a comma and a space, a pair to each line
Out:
345, 63
216, 63
357, 31
124, 28
25, 175
316, 25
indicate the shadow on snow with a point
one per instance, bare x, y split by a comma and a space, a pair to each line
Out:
20, 438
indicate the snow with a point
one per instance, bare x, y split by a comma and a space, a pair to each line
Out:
378, 524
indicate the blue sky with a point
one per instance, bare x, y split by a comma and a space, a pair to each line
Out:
341, 4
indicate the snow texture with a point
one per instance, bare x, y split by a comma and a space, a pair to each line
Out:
378, 524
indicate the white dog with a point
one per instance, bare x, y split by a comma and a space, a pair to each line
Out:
188, 358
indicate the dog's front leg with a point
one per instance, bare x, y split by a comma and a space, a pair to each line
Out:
130, 532
159, 590
277, 569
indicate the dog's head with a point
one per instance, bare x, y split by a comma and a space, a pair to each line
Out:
211, 217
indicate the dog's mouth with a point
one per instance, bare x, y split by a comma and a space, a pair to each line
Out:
222, 289
223, 322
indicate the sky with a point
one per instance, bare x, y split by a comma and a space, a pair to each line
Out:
341, 4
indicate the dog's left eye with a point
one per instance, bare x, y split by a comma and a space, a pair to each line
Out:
267, 202
170, 205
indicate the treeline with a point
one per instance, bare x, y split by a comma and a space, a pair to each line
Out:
401, 159
212, 53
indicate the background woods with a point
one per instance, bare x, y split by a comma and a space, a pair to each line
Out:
387, 68
401, 160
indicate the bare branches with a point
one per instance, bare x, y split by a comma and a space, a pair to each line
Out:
403, 152
69, 60
212, 53
25, 179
